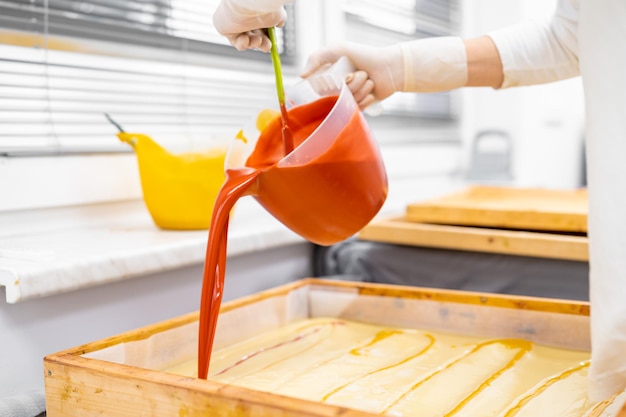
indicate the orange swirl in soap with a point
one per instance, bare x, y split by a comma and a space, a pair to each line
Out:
543, 387
313, 329
521, 345
387, 333
397, 371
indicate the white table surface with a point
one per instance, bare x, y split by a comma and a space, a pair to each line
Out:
51, 251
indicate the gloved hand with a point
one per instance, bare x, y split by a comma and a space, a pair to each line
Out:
243, 21
379, 71
424, 65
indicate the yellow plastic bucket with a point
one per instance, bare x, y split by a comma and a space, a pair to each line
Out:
179, 190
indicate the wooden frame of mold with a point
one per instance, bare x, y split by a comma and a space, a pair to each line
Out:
84, 382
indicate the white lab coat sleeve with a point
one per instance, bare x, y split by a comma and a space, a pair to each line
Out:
537, 52
602, 30
434, 64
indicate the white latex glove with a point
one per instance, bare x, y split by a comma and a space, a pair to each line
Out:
243, 21
379, 71
424, 65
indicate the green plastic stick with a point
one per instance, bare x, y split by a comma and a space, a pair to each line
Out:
280, 90
278, 73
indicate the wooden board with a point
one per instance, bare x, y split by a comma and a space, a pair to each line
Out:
105, 377
508, 208
398, 230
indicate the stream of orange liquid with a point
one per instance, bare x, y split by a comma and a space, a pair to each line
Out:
273, 185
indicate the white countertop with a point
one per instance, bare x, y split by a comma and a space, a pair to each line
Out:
44, 252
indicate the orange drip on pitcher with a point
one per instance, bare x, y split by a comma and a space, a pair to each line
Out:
287, 135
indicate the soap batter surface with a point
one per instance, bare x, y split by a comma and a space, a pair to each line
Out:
398, 372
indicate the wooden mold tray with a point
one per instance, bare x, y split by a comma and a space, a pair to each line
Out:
130, 374
507, 208
398, 230
512, 221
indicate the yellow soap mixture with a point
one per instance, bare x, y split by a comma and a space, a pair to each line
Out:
400, 372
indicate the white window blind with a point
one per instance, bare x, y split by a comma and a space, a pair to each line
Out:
158, 67
392, 21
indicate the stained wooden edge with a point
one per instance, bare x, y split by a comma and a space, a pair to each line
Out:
459, 209
549, 221
548, 305
60, 366
399, 230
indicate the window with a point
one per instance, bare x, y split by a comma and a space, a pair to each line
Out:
384, 23
157, 66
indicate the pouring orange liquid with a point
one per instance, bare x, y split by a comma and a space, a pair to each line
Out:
286, 130
298, 195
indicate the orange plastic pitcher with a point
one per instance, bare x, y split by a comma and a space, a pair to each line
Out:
326, 189
334, 181
179, 190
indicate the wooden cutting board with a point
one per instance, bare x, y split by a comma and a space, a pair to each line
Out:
506, 208
478, 239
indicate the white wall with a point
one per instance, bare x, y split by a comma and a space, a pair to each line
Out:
545, 122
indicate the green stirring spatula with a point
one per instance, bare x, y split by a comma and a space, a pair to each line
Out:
280, 90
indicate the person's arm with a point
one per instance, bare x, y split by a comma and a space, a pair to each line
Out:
242, 21
484, 66
424, 65
538, 52
524, 54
